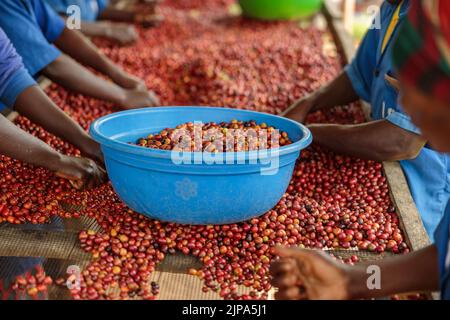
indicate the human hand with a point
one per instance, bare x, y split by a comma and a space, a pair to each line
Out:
309, 274
82, 173
126, 80
148, 20
300, 109
91, 149
121, 32
139, 99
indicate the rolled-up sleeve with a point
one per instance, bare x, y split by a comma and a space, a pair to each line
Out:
24, 31
18, 82
403, 121
14, 78
51, 24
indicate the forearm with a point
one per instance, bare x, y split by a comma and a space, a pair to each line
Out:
83, 51
336, 93
35, 105
18, 144
75, 77
113, 14
376, 140
413, 272
94, 29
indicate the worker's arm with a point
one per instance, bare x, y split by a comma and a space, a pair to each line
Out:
36, 106
74, 44
146, 15
325, 278
376, 140
338, 92
113, 14
18, 144
73, 76
119, 32
413, 272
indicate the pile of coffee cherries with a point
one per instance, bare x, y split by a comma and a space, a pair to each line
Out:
215, 59
217, 137
29, 194
199, 4
209, 58
32, 285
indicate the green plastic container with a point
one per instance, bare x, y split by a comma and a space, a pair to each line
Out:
279, 9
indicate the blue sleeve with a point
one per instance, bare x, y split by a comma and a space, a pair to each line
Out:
395, 113
403, 121
51, 24
360, 70
59, 6
18, 82
441, 236
102, 5
23, 30
89, 9
14, 79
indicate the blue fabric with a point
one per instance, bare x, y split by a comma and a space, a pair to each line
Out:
442, 242
13, 77
401, 120
19, 81
89, 9
31, 26
51, 24
428, 175
102, 5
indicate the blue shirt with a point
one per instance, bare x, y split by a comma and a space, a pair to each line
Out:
32, 26
428, 175
89, 9
14, 79
442, 245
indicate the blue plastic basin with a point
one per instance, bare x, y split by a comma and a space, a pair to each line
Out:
151, 183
